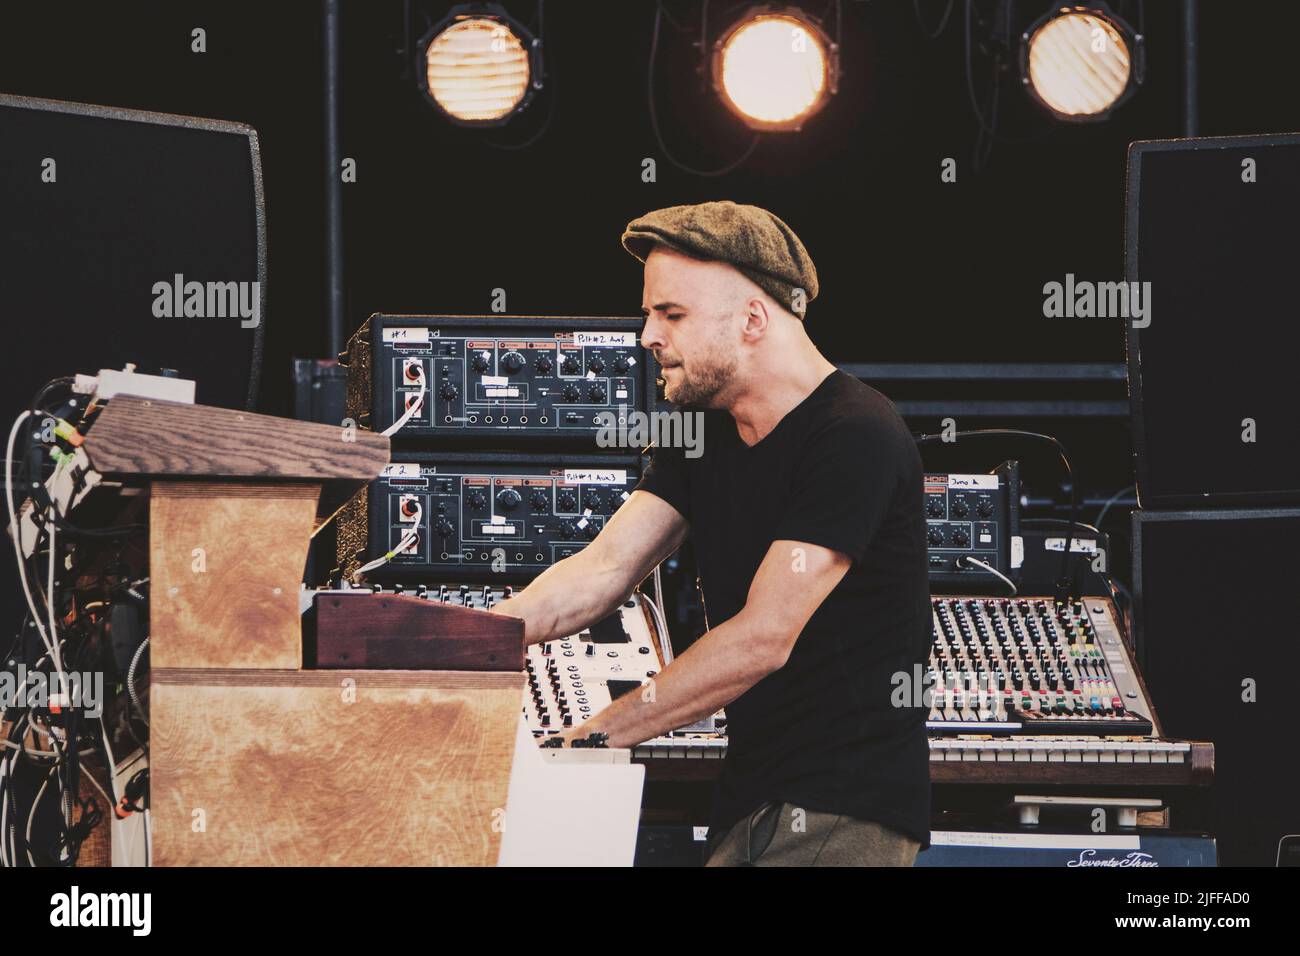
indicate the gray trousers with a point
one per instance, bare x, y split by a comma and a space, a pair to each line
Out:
781, 834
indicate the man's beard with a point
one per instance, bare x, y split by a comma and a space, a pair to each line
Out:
699, 387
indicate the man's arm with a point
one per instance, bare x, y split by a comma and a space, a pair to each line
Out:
790, 584
584, 588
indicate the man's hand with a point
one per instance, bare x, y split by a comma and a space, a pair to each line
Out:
791, 583
574, 593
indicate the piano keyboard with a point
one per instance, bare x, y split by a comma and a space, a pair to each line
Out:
1053, 749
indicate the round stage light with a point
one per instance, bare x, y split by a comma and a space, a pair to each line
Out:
477, 69
1081, 62
774, 70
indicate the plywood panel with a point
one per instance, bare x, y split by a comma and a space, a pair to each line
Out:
226, 561
288, 770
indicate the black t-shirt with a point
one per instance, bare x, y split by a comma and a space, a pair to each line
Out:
842, 471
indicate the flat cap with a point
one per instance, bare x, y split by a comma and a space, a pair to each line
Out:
757, 243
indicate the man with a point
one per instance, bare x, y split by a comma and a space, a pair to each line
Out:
806, 512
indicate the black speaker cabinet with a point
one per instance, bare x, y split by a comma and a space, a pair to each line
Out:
130, 237
1218, 646
1211, 234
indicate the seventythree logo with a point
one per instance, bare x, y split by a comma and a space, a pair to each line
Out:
208, 300
102, 909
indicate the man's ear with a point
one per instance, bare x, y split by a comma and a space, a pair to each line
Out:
758, 315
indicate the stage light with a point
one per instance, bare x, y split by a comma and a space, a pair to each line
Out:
1081, 62
478, 65
775, 67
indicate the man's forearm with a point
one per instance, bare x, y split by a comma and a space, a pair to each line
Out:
713, 672
565, 598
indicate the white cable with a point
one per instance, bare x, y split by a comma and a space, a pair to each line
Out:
15, 535
407, 539
661, 625
54, 624
414, 407
992, 570
666, 644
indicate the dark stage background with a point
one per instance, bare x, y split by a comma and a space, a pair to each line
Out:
912, 269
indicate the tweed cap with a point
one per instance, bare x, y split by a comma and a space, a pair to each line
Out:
757, 243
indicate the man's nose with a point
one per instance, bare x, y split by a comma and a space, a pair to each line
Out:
652, 334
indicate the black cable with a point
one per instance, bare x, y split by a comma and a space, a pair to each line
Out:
680, 28
974, 101
943, 21
654, 118
1063, 579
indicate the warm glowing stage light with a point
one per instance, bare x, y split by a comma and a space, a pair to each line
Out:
1079, 62
477, 69
774, 70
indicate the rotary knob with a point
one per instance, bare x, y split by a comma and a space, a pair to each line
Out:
539, 500
960, 508
591, 531
480, 361
544, 364
985, 508
571, 393
621, 365
593, 500
509, 499
448, 392
960, 538
935, 536
934, 508
570, 365
567, 530
568, 501
596, 393
597, 364
513, 362
476, 499
443, 528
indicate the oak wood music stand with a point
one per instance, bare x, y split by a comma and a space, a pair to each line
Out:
254, 759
